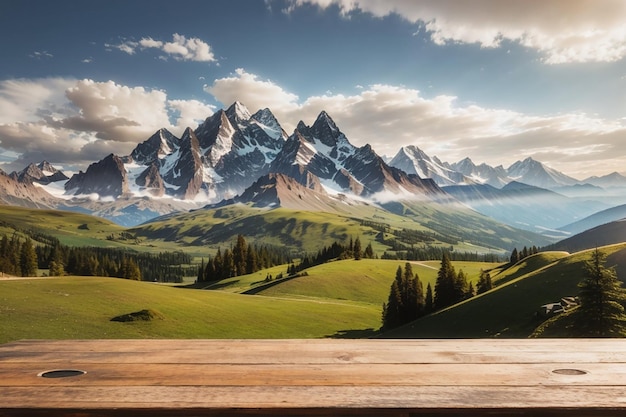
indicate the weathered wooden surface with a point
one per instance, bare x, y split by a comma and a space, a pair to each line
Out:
315, 377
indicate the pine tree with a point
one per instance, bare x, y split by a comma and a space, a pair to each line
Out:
369, 252
251, 260
228, 265
56, 265
218, 267
130, 269
406, 299
357, 249
14, 256
4, 255
391, 310
240, 256
28, 259
470, 291
428, 302
445, 284
514, 256
601, 311
460, 287
484, 282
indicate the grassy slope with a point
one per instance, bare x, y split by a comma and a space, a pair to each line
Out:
77, 307
70, 228
309, 231
457, 221
341, 298
508, 310
78, 229
366, 281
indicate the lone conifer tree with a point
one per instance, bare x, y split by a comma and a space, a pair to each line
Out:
601, 311
445, 294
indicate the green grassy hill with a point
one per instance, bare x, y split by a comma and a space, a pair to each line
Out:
509, 309
72, 229
606, 234
337, 299
305, 231
79, 307
340, 298
366, 280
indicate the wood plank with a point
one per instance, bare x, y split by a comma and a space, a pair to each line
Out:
248, 356
299, 397
329, 374
315, 377
201, 351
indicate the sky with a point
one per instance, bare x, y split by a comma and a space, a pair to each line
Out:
493, 80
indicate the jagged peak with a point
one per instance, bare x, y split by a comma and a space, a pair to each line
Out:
188, 133
324, 118
526, 163
264, 114
301, 127
239, 111
413, 150
46, 164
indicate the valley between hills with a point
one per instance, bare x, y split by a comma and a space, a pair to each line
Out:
240, 175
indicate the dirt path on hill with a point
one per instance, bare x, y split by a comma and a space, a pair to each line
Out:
422, 264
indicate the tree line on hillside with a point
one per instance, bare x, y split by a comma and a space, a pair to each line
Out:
335, 251
243, 258
431, 253
517, 256
240, 259
19, 256
113, 262
408, 301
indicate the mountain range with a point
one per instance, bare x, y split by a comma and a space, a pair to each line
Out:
235, 156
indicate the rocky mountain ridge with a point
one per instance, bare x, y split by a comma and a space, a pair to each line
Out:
234, 152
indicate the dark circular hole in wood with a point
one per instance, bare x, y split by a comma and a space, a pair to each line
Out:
567, 371
62, 373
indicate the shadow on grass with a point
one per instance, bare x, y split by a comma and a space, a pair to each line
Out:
354, 334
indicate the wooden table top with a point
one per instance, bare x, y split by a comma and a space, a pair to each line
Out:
564, 377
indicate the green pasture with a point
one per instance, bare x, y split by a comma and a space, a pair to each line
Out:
82, 308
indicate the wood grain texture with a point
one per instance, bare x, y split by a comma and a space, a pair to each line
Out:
315, 377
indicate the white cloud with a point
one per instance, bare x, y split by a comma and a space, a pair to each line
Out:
74, 122
258, 93
562, 30
388, 117
127, 46
180, 48
115, 112
190, 112
41, 54
25, 99
150, 43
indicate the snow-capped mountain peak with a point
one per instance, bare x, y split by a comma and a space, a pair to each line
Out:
266, 120
612, 180
326, 131
160, 144
413, 160
238, 112
530, 171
